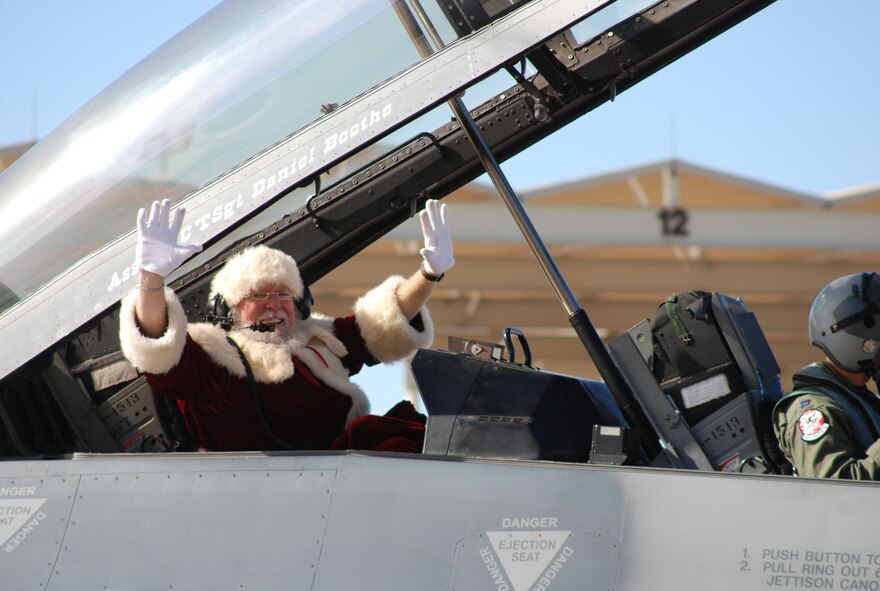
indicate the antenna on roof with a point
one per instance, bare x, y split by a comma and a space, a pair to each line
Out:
34, 115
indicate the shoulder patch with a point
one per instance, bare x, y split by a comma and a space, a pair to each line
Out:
806, 402
813, 425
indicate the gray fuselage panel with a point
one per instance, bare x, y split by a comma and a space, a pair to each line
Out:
381, 521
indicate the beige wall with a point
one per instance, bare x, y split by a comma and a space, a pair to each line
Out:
499, 284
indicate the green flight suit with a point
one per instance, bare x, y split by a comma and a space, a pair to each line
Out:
828, 428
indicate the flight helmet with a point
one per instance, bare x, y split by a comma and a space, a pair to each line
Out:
845, 322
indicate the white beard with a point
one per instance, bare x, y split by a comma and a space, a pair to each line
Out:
283, 333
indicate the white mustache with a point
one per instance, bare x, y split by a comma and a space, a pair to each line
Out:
269, 317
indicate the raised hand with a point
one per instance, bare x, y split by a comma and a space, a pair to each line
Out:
437, 253
157, 248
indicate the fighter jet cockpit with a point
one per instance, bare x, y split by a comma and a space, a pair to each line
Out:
316, 139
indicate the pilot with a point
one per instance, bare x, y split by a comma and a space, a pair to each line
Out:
272, 374
829, 426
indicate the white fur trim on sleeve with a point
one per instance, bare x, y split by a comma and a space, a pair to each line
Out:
155, 356
386, 331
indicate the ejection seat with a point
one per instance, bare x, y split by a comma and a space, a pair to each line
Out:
701, 370
706, 378
137, 418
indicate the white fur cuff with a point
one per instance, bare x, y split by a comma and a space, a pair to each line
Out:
156, 356
387, 332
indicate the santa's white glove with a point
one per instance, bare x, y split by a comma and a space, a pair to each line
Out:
157, 248
437, 253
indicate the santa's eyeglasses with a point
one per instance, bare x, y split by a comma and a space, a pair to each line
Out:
262, 296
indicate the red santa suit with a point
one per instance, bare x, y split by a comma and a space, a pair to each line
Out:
303, 384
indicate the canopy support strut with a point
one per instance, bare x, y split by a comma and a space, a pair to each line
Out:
576, 315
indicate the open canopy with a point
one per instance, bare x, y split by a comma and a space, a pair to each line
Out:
260, 100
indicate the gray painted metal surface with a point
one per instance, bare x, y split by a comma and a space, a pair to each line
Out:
373, 521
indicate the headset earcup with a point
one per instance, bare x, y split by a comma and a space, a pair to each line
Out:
304, 304
219, 311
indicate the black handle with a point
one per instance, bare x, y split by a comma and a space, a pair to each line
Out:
527, 352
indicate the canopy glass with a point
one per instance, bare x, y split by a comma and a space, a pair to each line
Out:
220, 92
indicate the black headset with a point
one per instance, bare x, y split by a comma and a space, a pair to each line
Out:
304, 304
219, 313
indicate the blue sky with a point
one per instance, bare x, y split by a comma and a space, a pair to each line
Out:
788, 98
